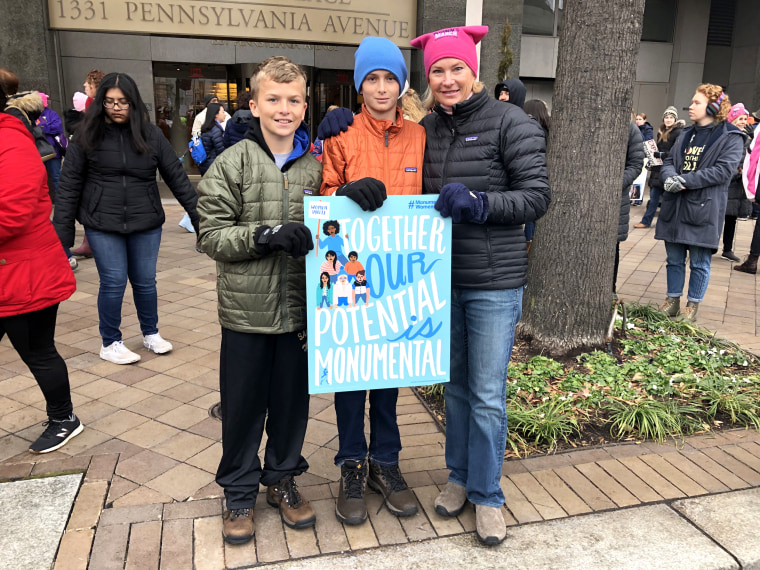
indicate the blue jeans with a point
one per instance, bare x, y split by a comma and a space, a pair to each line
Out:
530, 230
384, 437
699, 263
53, 167
655, 193
119, 257
482, 334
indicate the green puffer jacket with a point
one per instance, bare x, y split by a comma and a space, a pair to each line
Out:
241, 191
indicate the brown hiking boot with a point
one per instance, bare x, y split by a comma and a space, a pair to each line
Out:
350, 507
388, 481
83, 250
690, 312
671, 307
295, 511
749, 265
237, 525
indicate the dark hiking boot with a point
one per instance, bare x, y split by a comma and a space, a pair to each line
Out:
729, 255
350, 507
295, 511
749, 265
57, 434
388, 481
671, 307
237, 526
689, 314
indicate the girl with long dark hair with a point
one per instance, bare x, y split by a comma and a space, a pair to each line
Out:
108, 184
212, 135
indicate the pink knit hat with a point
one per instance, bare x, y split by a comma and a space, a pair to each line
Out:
80, 100
451, 42
44, 98
737, 111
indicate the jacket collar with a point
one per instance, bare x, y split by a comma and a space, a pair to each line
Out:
461, 111
378, 127
301, 141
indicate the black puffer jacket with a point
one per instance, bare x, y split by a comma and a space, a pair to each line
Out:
634, 162
663, 148
494, 148
738, 204
236, 127
213, 142
113, 188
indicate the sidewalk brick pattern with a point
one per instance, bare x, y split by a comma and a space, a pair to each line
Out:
150, 448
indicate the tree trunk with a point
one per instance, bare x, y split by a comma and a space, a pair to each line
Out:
567, 304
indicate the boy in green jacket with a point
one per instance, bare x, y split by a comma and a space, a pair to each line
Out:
251, 211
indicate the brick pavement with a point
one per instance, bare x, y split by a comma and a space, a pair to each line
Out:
150, 448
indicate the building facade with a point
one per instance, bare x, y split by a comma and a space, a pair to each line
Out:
178, 51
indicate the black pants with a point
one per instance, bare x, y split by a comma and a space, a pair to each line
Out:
729, 231
261, 376
31, 334
754, 246
615, 269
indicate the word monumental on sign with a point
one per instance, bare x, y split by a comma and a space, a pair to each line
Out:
309, 21
378, 288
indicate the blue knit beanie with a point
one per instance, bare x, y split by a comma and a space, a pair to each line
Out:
378, 53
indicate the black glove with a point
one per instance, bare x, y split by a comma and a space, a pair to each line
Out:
196, 222
293, 238
369, 193
335, 122
657, 154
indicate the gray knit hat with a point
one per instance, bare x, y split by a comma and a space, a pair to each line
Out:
671, 111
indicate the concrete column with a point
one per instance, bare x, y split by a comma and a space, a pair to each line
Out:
744, 81
28, 49
687, 65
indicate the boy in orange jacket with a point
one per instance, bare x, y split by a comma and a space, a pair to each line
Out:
380, 154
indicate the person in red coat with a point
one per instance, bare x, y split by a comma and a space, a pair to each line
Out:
35, 277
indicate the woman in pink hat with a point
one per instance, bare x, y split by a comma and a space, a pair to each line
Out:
487, 161
738, 206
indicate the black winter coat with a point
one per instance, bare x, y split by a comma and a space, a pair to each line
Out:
663, 148
213, 142
738, 205
694, 216
236, 127
497, 149
113, 188
634, 162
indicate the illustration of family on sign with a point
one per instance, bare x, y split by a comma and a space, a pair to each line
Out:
342, 281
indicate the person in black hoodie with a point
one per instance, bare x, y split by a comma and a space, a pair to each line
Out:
238, 125
108, 183
669, 131
512, 91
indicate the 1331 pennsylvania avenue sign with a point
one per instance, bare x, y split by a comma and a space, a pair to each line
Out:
378, 288
329, 21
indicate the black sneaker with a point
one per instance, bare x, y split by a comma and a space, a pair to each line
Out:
729, 255
350, 507
56, 434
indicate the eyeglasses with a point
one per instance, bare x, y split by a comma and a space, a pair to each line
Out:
114, 104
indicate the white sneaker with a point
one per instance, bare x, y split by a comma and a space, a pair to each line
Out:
117, 353
155, 343
73, 263
187, 224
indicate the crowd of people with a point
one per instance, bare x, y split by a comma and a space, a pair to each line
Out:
485, 159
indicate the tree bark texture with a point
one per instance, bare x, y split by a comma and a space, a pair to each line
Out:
567, 304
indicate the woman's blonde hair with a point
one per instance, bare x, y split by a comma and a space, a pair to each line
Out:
411, 106
428, 99
713, 94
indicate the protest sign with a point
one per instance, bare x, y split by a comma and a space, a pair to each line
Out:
378, 290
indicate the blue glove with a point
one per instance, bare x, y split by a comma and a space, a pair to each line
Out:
462, 204
335, 122
674, 184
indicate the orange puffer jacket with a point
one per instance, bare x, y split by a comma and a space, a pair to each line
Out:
378, 149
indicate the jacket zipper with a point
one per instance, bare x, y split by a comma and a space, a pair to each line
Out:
386, 171
283, 256
446, 156
124, 178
